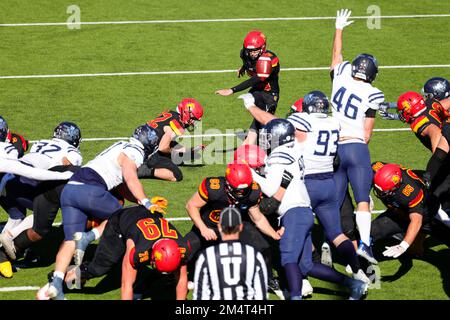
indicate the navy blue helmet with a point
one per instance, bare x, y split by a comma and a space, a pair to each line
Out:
3, 129
436, 88
69, 132
315, 102
365, 67
148, 137
276, 132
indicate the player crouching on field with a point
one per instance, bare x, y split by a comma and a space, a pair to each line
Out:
168, 126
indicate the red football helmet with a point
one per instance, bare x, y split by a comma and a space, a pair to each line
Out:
250, 154
190, 111
255, 41
410, 105
296, 107
166, 255
387, 179
239, 180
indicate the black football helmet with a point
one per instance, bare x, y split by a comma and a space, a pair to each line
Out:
436, 88
276, 132
315, 102
69, 132
365, 67
148, 137
3, 129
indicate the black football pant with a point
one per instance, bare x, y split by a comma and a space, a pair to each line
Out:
159, 161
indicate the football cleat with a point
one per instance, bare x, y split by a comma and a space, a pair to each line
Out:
6, 269
365, 251
8, 243
42, 293
274, 286
357, 288
307, 289
326, 257
73, 277
82, 241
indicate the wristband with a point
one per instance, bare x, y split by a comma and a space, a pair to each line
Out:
146, 203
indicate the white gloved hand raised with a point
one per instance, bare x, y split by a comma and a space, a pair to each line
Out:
248, 98
342, 18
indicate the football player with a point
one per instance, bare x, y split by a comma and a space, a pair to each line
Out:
238, 189
278, 137
320, 146
263, 67
169, 125
437, 88
410, 208
87, 194
139, 239
63, 149
354, 100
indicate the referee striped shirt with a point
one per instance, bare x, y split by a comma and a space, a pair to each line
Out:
230, 271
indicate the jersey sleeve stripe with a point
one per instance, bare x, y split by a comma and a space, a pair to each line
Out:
376, 93
202, 191
416, 200
175, 128
300, 124
275, 61
419, 124
379, 97
134, 147
282, 156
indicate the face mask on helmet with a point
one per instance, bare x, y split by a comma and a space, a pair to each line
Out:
276, 132
69, 132
238, 180
410, 105
254, 44
190, 112
315, 102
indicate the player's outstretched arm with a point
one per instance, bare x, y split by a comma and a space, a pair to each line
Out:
18, 168
129, 173
262, 223
341, 22
193, 208
128, 273
257, 113
182, 284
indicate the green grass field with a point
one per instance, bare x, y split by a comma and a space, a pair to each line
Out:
113, 106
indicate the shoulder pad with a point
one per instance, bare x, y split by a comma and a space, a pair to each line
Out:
280, 157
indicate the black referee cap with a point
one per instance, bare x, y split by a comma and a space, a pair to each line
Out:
230, 217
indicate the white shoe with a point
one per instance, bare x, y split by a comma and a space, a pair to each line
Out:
348, 269
360, 275
326, 258
307, 289
8, 243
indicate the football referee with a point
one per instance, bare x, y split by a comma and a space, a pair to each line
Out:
230, 270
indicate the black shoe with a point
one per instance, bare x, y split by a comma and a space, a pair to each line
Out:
274, 286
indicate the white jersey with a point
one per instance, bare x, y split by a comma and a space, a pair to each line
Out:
290, 159
8, 151
320, 146
350, 100
106, 163
47, 154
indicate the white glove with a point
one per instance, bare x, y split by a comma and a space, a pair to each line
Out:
249, 100
342, 17
396, 251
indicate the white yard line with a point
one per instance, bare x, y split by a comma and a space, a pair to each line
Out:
44, 24
152, 73
24, 288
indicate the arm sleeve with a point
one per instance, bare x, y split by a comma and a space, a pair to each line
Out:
370, 113
374, 100
272, 182
17, 168
134, 153
246, 84
75, 158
